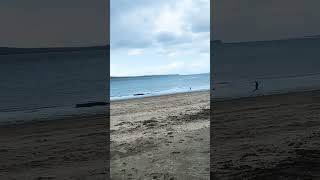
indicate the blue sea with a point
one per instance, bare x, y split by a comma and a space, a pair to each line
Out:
142, 86
49, 85
278, 66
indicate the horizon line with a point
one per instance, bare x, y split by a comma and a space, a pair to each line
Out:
53, 47
266, 40
158, 75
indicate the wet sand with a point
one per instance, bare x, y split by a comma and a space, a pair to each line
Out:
70, 148
163, 137
267, 137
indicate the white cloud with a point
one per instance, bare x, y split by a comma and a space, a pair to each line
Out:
173, 54
135, 52
170, 20
175, 65
118, 70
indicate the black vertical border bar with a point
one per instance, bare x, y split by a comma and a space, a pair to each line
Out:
211, 87
108, 92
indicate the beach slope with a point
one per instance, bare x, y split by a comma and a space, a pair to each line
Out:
69, 148
161, 137
266, 137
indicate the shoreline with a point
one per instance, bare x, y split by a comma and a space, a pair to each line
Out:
103, 112
215, 99
53, 115
60, 119
156, 95
218, 99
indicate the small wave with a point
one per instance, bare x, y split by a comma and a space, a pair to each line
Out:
290, 76
17, 109
223, 82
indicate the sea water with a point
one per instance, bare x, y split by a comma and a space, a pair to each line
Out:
49, 85
142, 86
279, 66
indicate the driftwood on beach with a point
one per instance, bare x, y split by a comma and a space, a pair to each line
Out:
139, 94
91, 104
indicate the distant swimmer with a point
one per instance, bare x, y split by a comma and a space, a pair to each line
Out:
256, 86
190, 88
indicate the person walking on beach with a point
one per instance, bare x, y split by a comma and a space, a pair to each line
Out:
256, 86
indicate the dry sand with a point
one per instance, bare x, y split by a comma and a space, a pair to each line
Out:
70, 148
163, 137
267, 137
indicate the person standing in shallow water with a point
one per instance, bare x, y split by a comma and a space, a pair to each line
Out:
256, 86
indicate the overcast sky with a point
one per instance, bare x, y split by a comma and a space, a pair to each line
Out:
160, 37
51, 23
251, 20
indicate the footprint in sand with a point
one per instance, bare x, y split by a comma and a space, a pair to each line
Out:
150, 123
42, 177
175, 152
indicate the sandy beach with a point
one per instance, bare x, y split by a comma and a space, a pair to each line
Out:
69, 148
267, 137
161, 137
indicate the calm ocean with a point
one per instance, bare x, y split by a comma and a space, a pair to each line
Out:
49, 85
279, 66
141, 86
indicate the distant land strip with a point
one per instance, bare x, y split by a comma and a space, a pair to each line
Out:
310, 38
12, 51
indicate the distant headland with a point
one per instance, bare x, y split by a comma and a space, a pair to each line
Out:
12, 51
156, 75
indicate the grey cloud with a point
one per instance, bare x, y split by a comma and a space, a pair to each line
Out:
130, 43
249, 20
131, 32
168, 38
200, 18
203, 26
38, 23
